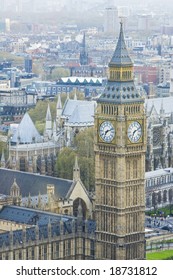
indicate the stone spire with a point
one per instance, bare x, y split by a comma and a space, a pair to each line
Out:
83, 54
15, 193
48, 127
76, 170
75, 94
15, 190
58, 110
59, 103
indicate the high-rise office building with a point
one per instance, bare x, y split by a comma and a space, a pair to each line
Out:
28, 65
111, 20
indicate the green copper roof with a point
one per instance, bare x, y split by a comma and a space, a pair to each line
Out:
121, 56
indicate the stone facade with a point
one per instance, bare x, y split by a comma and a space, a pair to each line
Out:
120, 144
159, 188
57, 238
159, 133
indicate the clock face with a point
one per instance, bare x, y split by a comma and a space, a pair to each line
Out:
107, 131
134, 132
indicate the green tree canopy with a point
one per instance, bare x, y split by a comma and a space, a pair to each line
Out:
65, 163
83, 148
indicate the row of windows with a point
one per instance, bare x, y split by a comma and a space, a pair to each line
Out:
116, 75
109, 110
159, 197
133, 196
132, 169
113, 110
132, 109
55, 251
109, 168
159, 180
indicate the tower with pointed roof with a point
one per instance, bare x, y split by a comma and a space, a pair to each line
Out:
83, 54
120, 144
48, 127
15, 193
58, 112
76, 170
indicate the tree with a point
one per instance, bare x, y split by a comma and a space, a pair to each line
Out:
65, 163
38, 114
84, 149
57, 73
84, 142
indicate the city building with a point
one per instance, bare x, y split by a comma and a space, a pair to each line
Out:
111, 20
159, 188
159, 133
31, 152
28, 65
90, 86
30, 234
117, 231
46, 192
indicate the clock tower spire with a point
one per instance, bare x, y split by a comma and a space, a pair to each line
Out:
120, 144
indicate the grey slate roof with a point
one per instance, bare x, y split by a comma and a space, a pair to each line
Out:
158, 173
82, 115
40, 218
72, 105
121, 56
26, 132
30, 216
120, 92
166, 103
32, 183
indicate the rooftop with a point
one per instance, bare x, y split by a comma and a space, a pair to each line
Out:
32, 184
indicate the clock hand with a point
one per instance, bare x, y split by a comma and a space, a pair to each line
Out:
108, 130
134, 132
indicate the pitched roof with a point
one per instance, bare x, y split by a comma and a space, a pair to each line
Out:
71, 105
38, 220
32, 183
26, 132
82, 115
160, 103
27, 215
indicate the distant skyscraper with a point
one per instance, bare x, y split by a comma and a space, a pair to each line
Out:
3, 5
19, 6
144, 22
7, 25
111, 20
28, 65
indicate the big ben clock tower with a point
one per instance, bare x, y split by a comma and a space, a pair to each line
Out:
120, 144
